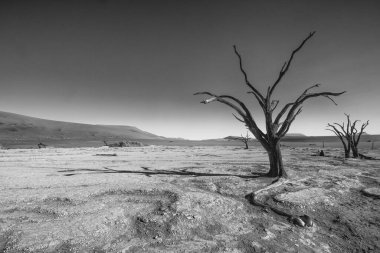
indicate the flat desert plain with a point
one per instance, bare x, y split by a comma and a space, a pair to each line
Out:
185, 199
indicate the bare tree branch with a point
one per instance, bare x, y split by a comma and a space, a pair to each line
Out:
287, 106
242, 111
239, 119
287, 64
257, 94
261, 103
282, 112
340, 136
332, 100
334, 130
364, 125
219, 99
345, 131
286, 124
274, 105
297, 103
206, 101
304, 97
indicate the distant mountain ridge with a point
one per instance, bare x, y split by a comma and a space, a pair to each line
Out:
290, 135
298, 137
295, 135
20, 127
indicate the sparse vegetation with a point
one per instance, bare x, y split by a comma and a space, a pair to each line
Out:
121, 144
277, 127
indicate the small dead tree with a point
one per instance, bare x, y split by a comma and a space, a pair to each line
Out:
277, 127
349, 135
245, 139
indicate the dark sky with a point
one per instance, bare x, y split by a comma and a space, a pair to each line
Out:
139, 62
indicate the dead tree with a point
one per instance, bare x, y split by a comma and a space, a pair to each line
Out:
276, 127
349, 135
343, 133
245, 140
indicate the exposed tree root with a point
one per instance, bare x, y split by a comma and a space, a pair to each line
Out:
361, 156
302, 221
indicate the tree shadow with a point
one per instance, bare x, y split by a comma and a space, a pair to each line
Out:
148, 172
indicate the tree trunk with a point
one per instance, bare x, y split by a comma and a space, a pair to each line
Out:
355, 152
246, 145
347, 148
347, 153
275, 161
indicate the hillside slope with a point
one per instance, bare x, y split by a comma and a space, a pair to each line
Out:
24, 128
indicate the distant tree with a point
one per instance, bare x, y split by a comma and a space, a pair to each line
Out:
245, 139
343, 133
275, 128
349, 135
41, 145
